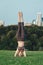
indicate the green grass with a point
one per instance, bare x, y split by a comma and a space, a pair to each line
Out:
33, 58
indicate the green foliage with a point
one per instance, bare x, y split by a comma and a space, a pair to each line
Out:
33, 37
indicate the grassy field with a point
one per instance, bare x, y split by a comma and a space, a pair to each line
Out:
33, 58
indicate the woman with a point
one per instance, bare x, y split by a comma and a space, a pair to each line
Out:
20, 36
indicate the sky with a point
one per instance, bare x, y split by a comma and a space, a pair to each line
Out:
9, 10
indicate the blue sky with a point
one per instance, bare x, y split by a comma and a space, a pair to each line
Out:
9, 10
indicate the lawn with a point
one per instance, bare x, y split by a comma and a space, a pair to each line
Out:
33, 58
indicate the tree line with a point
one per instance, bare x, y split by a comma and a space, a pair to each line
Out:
33, 37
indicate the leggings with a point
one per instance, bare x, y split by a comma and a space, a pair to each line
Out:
20, 32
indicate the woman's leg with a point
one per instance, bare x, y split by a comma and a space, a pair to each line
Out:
22, 31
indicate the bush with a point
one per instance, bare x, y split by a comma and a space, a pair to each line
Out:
33, 37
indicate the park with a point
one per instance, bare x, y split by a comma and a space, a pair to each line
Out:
33, 45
